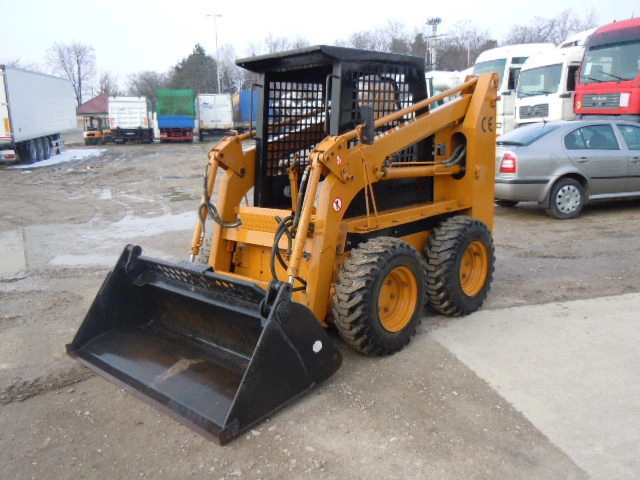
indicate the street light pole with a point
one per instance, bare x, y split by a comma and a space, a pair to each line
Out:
215, 29
433, 22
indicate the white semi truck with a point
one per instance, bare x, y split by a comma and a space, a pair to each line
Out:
130, 120
214, 114
35, 110
547, 82
507, 61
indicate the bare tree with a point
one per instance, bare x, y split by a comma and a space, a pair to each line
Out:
272, 44
76, 61
145, 84
17, 63
377, 40
554, 30
461, 44
399, 41
109, 84
234, 78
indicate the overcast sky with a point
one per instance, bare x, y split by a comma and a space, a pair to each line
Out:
135, 35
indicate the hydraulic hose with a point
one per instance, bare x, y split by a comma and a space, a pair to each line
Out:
211, 208
456, 156
284, 228
302, 190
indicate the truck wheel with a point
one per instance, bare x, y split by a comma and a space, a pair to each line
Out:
460, 263
39, 149
566, 199
46, 148
379, 296
28, 153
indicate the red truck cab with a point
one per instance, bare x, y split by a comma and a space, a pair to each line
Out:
609, 83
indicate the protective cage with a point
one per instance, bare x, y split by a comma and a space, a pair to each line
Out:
310, 93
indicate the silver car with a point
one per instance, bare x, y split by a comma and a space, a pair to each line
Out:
563, 165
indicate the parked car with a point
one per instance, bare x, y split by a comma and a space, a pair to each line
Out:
562, 165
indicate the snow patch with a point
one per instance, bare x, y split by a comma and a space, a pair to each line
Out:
65, 156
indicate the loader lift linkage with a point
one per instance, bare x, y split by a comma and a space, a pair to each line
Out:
367, 204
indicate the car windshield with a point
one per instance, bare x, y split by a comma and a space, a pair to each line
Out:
526, 135
611, 63
539, 81
495, 66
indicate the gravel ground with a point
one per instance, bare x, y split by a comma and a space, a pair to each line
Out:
418, 414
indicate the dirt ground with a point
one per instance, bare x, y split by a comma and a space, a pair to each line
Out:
418, 414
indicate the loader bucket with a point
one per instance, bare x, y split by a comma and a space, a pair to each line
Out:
205, 348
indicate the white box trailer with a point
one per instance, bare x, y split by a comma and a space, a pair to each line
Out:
547, 83
129, 120
507, 61
214, 114
35, 110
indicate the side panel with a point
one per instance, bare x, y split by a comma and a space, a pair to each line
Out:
214, 111
39, 104
176, 109
128, 112
245, 116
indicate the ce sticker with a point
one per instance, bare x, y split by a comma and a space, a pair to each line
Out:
487, 124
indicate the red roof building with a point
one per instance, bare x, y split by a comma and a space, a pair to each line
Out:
96, 106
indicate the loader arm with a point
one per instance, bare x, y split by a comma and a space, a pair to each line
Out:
237, 180
349, 166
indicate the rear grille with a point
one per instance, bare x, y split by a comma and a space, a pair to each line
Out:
534, 111
607, 100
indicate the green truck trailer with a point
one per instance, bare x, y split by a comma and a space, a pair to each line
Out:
176, 115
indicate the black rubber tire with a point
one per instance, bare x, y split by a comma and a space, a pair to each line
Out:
46, 145
355, 302
566, 200
39, 149
506, 203
446, 249
28, 152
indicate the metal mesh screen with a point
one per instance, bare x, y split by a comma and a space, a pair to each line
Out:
209, 284
385, 93
296, 119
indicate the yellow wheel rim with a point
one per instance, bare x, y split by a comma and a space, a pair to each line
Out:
474, 268
397, 299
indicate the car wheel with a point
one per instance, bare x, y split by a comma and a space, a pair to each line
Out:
506, 203
566, 199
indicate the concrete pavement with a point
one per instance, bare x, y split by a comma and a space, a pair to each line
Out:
572, 369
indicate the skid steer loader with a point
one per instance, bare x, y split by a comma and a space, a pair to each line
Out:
366, 204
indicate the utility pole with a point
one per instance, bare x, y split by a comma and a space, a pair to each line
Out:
215, 29
433, 22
